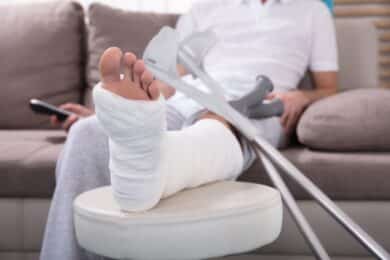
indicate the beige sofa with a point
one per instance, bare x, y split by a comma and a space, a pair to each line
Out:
48, 51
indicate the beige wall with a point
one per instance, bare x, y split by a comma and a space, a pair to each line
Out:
379, 12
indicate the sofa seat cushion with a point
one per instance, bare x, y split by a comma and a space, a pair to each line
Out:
28, 159
41, 50
355, 120
342, 176
27, 162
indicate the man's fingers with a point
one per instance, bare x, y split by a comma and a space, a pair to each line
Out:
291, 123
293, 120
69, 122
77, 112
74, 108
284, 119
54, 121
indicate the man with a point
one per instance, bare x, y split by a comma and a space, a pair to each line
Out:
278, 38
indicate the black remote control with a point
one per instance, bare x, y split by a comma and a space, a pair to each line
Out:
42, 107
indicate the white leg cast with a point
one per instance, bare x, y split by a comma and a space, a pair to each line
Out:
202, 153
148, 163
135, 129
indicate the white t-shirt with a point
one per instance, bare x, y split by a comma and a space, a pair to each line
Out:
281, 39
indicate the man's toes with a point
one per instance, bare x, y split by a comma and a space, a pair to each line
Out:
110, 65
139, 68
129, 60
153, 90
146, 79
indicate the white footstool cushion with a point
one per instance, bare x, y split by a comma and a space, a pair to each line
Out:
214, 220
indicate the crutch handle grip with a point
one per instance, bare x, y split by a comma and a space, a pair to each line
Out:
262, 110
252, 105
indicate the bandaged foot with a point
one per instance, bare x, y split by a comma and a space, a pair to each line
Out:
147, 162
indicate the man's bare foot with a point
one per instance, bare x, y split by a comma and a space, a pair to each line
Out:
137, 82
135, 128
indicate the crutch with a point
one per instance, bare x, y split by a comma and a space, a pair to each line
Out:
161, 57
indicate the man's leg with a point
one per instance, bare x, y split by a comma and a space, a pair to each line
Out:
83, 165
147, 162
271, 130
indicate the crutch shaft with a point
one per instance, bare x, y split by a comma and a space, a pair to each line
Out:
353, 228
304, 226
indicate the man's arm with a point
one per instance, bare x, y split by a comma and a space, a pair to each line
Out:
295, 102
325, 85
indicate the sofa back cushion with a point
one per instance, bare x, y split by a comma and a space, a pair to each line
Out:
351, 121
358, 50
358, 53
41, 57
130, 31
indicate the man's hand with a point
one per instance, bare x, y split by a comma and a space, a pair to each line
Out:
294, 103
78, 112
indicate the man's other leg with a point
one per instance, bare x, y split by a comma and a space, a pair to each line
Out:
82, 166
271, 130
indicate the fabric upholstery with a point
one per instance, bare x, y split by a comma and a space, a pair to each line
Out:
342, 176
28, 158
22, 222
41, 57
351, 121
27, 162
370, 215
130, 31
358, 53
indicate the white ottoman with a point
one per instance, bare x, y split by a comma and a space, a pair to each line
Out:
214, 220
